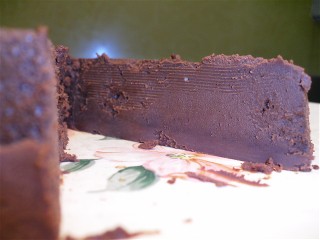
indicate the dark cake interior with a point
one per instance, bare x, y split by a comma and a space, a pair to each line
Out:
29, 198
239, 107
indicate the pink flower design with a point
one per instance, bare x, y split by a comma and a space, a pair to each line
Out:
175, 163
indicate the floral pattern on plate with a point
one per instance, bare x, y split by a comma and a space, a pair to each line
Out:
140, 168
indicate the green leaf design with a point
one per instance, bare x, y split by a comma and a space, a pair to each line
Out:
131, 178
77, 166
183, 156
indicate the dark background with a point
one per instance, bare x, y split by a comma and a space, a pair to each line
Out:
193, 29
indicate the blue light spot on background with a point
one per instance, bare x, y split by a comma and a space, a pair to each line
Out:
100, 49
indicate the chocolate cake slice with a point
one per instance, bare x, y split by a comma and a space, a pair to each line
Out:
239, 107
29, 159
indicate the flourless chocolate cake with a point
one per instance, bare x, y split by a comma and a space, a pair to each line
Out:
29, 159
239, 107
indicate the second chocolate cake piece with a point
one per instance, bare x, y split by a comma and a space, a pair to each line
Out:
29, 160
239, 107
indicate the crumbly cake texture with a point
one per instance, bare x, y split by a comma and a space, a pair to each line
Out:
268, 167
239, 107
29, 198
64, 73
148, 144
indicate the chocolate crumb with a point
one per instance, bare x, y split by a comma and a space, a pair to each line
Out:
175, 57
172, 180
148, 144
268, 167
315, 167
